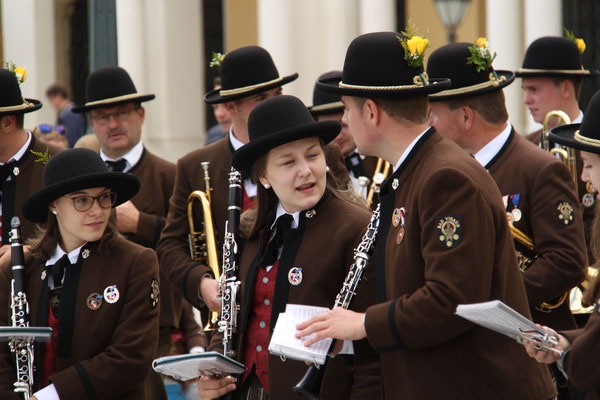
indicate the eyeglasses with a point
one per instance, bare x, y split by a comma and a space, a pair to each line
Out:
119, 115
84, 203
47, 128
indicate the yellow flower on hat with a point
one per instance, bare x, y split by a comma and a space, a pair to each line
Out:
481, 55
482, 42
217, 59
580, 45
417, 45
20, 73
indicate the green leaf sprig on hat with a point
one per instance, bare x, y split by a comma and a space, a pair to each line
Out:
43, 157
20, 73
414, 46
481, 55
579, 42
217, 59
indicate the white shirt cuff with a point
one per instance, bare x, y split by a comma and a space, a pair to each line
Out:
47, 393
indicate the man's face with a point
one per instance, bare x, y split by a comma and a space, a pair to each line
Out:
344, 140
354, 119
117, 128
244, 106
446, 122
56, 102
540, 96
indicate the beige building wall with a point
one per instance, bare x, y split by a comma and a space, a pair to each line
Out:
240, 23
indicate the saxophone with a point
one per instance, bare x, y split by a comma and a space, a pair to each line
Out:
310, 385
20, 334
228, 282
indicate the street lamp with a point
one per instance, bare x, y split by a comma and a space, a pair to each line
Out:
452, 13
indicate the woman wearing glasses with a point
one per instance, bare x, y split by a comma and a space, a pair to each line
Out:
98, 291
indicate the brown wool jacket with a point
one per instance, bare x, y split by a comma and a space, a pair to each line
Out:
27, 182
111, 348
324, 264
544, 183
173, 248
453, 248
581, 362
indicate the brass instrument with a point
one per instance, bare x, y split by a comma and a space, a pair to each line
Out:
526, 255
203, 246
310, 384
378, 178
565, 154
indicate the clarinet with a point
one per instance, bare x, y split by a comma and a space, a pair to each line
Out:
310, 385
228, 283
22, 347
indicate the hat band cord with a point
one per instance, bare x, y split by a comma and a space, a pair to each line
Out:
231, 92
327, 106
586, 140
417, 79
467, 89
113, 99
25, 104
581, 71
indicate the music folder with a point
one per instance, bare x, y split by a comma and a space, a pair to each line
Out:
190, 366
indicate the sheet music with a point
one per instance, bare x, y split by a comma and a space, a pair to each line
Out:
497, 316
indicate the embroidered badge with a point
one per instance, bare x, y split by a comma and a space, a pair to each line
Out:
154, 292
565, 212
310, 213
111, 294
43, 275
449, 231
295, 276
94, 301
395, 183
85, 254
588, 200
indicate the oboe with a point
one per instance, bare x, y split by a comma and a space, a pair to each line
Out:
228, 282
310, 385
22, 347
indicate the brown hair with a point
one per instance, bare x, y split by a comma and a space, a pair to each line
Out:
577, 82
490, 106
255, 219
56, 90
414, 109
46, 236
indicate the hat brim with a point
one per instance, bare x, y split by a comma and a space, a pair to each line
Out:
35, 208
34, 105
326, 109
584, 73
111, 103
245, 157
214, 96
475, 90
565, 135
331, 85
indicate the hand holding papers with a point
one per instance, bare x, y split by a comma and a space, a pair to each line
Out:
499, 317
190, 366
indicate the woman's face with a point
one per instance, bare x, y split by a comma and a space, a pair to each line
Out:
591, 169
79, 227
296, 172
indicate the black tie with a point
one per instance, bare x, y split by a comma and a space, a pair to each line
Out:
58, 270
354, 165
116, 166
282, 227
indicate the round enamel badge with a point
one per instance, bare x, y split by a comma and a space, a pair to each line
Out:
400, 236
94, 301
295, 276
588, 200
111, 294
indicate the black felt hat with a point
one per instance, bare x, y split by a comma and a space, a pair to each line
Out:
375, 66
584, 136
326, 103
553, 56
244, 72
108, 87
77, 169
451, 61
11, 99
277, 121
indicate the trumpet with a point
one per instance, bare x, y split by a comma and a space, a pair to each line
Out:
203, 246
378, 178
526, 255
565, 154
